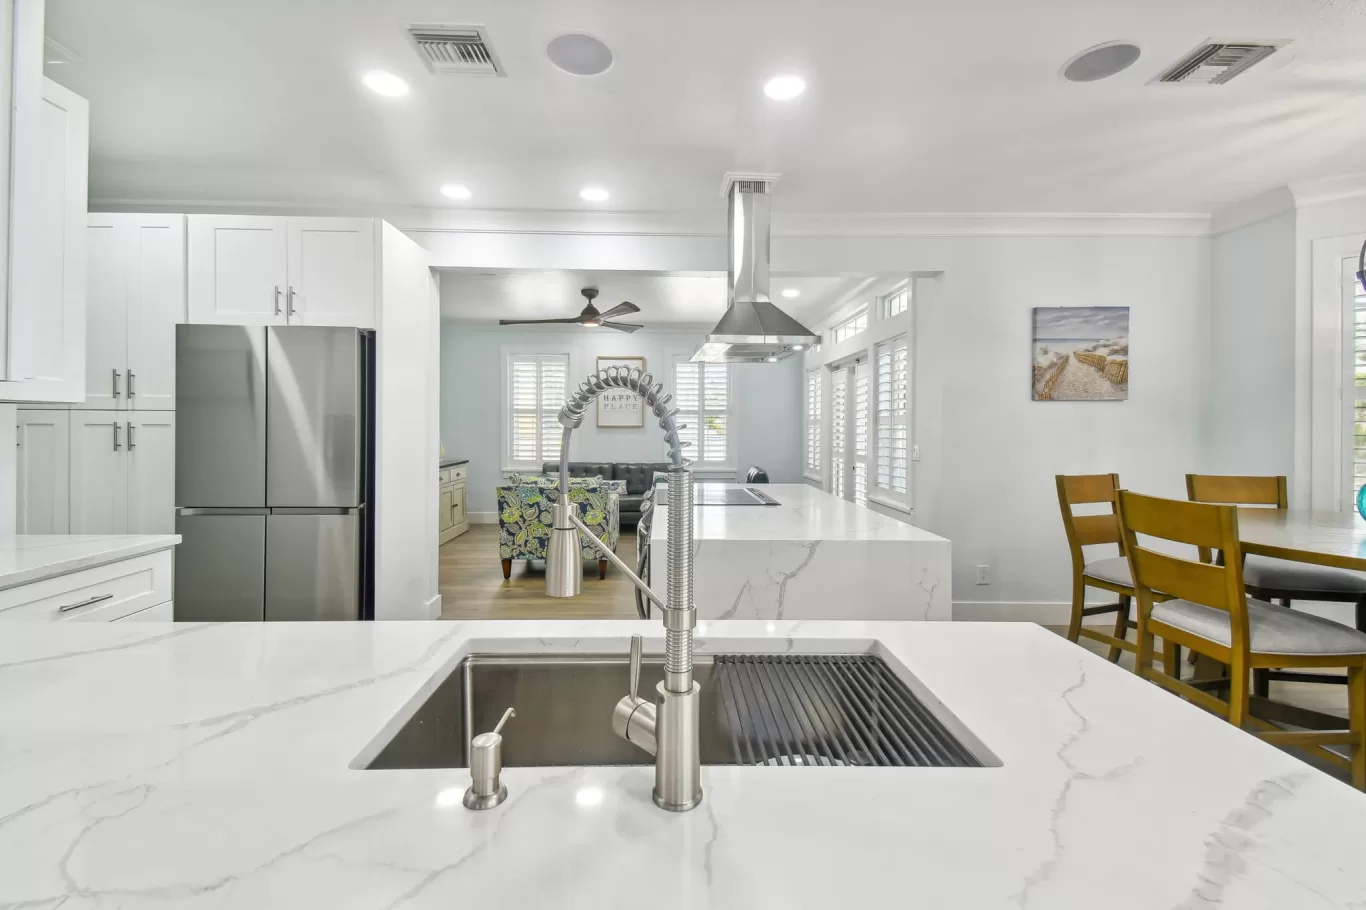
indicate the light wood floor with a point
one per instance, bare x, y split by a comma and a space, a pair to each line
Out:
472, 585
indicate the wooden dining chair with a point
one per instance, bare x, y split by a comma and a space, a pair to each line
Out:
1279, 580
1210, 613
1108, 574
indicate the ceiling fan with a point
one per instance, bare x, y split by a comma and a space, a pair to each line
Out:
590, 318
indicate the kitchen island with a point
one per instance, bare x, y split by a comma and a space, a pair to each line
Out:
812, 556
215, 766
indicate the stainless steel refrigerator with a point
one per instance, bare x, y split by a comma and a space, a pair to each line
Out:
273, 473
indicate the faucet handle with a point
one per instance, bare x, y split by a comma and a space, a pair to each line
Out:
636, 646
486, 767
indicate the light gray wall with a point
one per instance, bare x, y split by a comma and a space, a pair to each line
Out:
766, 407
1250, 411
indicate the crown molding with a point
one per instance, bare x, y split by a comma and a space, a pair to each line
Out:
1330, 189
1250, 211
709, 222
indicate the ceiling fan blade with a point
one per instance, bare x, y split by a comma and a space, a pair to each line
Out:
621, 309
572, 321
622, 326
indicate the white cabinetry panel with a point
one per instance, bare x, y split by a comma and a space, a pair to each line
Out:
99, 473
151, 472
43, 453
106, 345
156, 305
331, 272
237, 269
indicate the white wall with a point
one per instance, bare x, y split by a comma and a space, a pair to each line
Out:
766, 408
406, 429
1250, 417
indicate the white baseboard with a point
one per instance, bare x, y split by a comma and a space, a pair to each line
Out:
1044, 613
482, 518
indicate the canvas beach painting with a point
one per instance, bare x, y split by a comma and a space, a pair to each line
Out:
1081, 353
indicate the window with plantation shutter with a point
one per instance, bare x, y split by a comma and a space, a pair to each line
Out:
1353, 292
537, 388
813, 422
702, 396
891, 421
839, 387
860, 459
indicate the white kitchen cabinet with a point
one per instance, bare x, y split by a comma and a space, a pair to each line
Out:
44, 471
99, 473
331, 272
45, 344
451, 518
127, 588
136, 299
238, 271
271, 270
150, 442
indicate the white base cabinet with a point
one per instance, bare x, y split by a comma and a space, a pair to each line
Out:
43, 455
138, 588
452, 520
270, 270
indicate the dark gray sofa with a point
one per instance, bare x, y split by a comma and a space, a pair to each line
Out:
637, 474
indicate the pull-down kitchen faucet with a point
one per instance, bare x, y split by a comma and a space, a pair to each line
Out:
668, 727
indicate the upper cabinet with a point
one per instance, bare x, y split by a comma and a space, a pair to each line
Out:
43, 350
136, 299
266, 270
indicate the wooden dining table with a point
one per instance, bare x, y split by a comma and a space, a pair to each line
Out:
1335, 539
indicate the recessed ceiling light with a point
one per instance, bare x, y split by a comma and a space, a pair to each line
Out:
785, 87
789, 293
1100, 62
456, 191
773, 360
383, 82
799, 347
593, 194
579, 55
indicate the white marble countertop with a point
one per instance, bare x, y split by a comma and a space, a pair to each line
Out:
804, 513
209, 766
26, 558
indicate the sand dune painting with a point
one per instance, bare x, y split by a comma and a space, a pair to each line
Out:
1081, 353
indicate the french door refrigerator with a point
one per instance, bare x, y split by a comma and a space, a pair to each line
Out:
273, 473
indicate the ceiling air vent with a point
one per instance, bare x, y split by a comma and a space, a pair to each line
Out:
462, 50
1216, 63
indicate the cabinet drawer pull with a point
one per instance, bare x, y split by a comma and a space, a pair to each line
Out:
116, 383
131, 393
289, 302
130, 435
277, 300
85, 603
116, 436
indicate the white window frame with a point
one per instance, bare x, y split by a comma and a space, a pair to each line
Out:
815, 437
895, 302
856, 323
697, 454
505, 411
892, 410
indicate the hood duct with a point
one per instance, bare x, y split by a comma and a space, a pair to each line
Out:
752, 330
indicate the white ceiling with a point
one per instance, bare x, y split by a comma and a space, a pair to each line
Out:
912, 105
665, 301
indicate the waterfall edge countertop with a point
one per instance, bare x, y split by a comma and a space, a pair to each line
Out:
812, 556
210, 765
26, 558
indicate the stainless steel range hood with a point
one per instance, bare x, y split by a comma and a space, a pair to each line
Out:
753, 330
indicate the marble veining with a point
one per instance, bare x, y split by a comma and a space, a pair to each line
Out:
213, 768
26, 558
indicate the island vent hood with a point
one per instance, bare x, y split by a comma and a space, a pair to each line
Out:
753, 330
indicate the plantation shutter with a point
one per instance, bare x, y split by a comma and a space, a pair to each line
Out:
892, 389
702, 395
539, 385
838, 435
861, 371
1358, 297
813, 422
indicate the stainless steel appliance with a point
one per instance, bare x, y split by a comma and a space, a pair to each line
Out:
273, 473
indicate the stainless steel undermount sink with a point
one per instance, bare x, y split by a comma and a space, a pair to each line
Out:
756, 709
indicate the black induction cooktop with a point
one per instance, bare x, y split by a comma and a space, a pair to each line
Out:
719, 495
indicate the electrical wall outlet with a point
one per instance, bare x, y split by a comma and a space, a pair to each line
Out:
982, 578
915, 453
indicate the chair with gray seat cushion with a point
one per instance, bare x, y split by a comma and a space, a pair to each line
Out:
1209, 612
1280, 580
1108, 574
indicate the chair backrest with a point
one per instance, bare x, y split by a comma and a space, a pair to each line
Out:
1203, 525
1235, 490
1085, 530
756, 475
